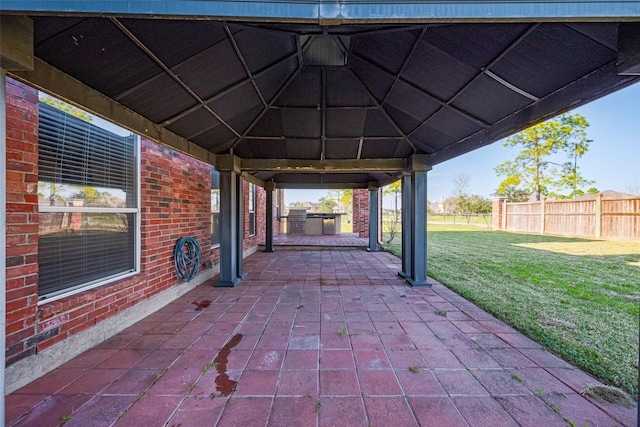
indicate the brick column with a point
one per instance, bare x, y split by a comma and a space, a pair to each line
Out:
497, 206
22, 220
361, 212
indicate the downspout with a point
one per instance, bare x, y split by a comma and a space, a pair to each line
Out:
3, 235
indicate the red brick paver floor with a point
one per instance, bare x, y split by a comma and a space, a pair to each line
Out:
326, 241
315, 338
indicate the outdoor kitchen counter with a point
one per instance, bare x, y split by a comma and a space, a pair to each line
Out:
323, 223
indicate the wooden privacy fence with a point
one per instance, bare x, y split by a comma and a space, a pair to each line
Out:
597, 217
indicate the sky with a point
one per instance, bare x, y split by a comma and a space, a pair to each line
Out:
613, 159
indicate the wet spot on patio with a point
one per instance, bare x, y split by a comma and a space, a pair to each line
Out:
201, 305
224, 384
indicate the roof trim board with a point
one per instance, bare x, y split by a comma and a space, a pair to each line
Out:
337, 11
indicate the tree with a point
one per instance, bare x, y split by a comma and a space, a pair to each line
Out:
633, 188
394, 189
575, 147
54, 190
345, 198
328, 203
461, 184
532, 170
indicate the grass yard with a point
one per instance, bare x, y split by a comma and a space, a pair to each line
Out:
579, 297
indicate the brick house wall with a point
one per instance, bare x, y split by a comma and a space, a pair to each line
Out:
361, 212
250, 242
175, 201
22, 221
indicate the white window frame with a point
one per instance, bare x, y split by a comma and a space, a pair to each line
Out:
251, 209
45, 299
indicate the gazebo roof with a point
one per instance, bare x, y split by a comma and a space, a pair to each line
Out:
323, 102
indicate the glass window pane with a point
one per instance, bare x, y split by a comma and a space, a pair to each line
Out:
215, 207
78, 248
84, 162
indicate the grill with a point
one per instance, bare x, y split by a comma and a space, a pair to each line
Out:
297, 220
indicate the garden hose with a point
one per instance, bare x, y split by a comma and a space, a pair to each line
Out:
187, 258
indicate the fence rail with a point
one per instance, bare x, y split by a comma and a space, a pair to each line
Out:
597, 217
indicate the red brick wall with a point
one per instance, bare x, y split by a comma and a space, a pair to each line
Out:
361, 212
260, 206
175, 202
22, 220
175, 195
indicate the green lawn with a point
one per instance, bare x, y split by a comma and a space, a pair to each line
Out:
579, 297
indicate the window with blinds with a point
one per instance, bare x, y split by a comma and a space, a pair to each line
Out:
215, 207
88, 203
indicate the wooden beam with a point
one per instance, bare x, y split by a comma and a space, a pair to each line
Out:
629, 49
51, 80
323, 166
318, 186
252, 179
16, 43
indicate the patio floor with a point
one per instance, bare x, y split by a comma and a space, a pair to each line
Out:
315, 338
334, 241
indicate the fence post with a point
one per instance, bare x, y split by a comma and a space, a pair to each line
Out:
504, 215
599, 216
543, 214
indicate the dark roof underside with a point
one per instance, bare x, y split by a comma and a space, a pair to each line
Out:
345, 92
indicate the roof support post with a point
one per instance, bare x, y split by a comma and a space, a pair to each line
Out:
419, 165
240, 274
230, 227
373, 218
268, 245
407, 241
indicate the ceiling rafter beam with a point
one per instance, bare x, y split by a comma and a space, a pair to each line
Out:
487, 68
394, 29
322, 166
225, 91
384, 112
171, 74
329, 138
434, 98
323, 115
553, 104
404, 65
299, 52
240, 56
485, 71
513, 87
252, 179
320, 186
362, 107
266, 108
53, 81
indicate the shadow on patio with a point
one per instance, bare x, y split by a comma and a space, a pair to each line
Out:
315, 338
